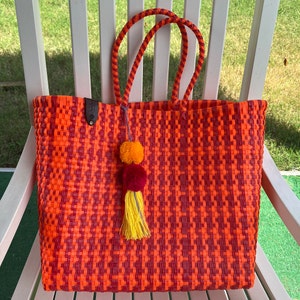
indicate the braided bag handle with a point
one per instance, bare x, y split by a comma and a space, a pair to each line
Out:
173, 18
143, 48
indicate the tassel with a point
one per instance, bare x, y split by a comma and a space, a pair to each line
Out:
134, 225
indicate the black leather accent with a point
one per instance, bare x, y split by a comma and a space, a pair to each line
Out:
91, 111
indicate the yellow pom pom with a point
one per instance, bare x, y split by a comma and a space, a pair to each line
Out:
132, 152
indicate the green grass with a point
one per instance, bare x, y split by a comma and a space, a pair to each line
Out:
281, 249
281, 88
283, 121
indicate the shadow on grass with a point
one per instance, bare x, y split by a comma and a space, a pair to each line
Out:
13, 109
284, 134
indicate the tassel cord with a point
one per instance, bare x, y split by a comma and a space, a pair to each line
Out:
125, 109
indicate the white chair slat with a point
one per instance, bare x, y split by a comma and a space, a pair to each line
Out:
61, 295
135, 38
15, 199
260, 42
192, 13
161, 57
104, 296
179, 296
258, 292
267, 277
42, 294
160, 296
123, 296
198, 295
237, 295
80, 48
30, 275
282, 197
217, 295
142, 296
34, 62
85, 296
107, 36
215, 49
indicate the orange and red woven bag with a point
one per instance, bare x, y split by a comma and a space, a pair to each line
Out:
156, 196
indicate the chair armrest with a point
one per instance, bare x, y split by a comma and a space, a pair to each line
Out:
282, 197
17, 195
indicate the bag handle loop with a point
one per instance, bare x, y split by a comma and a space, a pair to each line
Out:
124, 100
173, 18
143, 48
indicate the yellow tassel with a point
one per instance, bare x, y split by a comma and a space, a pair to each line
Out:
134, 224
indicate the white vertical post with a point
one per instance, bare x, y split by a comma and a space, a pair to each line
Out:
80, 47
135, 38
107, 18
161, 56
259, 48
192, 13
215, 50
32, 47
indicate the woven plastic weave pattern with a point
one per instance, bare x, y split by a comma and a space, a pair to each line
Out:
204, 164
201, 199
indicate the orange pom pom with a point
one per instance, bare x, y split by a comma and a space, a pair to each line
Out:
132, 152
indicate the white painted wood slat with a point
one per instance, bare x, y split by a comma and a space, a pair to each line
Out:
16, 196
179, 296
192, 13
80, 48
282, 197
268, 277
60, 295
257, 291
237, 294
123, 296
32, 47
217, 295
30, 277
215, 49
135, 38
142, 296
160, 296
107, 36
161, 57
41, 293
85, 296
198, 295
104, 296
260, 42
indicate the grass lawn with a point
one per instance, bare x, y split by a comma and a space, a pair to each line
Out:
281, 249
281, 90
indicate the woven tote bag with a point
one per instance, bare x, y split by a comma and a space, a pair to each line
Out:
148, 196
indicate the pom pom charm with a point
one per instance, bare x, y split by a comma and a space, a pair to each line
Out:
132, 152
134, 225
134, 177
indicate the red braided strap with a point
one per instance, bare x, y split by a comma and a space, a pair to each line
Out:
143, 48
173, 18
117, 43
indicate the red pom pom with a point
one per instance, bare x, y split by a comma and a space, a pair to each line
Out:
134, 177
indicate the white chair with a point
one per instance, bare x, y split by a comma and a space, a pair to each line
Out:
15, 199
